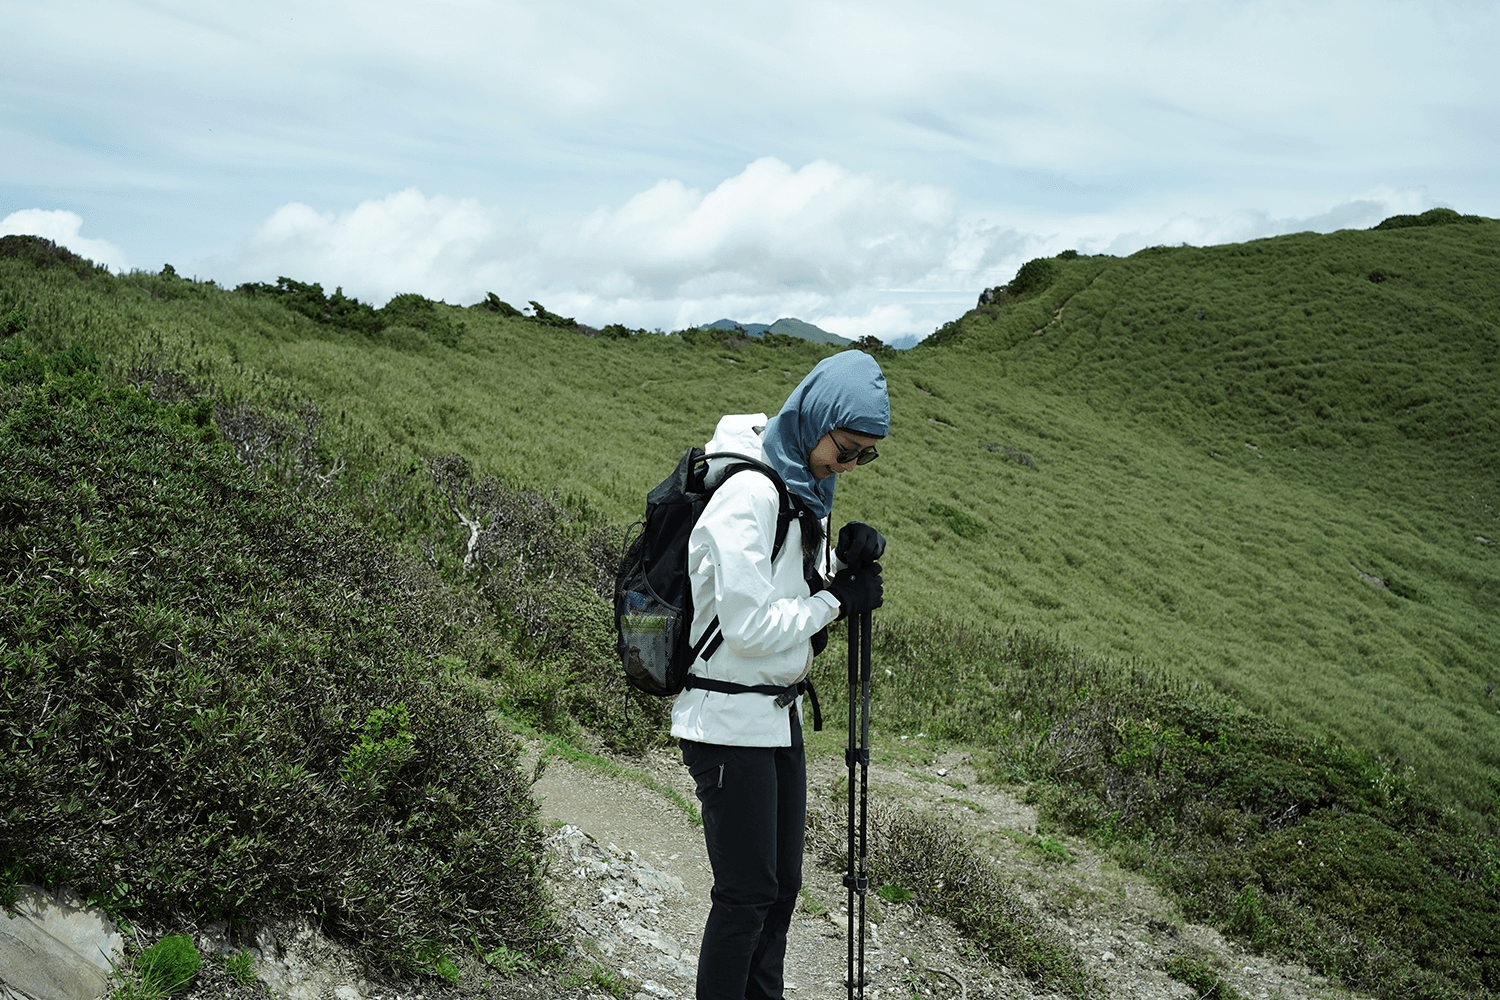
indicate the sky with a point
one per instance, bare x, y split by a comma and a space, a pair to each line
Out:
868, 167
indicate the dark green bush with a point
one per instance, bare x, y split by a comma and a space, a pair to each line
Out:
1201, 978
217, 697
495, 304
422, 314
1034, 276
873, 346
1431, 217
709, 336
310, 301
961, 523
539, 314
20, 367
44, 253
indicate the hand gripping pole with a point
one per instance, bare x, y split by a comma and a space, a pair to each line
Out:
857, 754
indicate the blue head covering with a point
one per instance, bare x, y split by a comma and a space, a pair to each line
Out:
846, 390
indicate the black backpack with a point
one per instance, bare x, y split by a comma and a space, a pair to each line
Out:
653, 595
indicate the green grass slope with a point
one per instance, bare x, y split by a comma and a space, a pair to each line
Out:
1129, 502
1089, 460
1290, 489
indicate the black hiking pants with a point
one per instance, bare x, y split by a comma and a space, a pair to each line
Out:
754, 803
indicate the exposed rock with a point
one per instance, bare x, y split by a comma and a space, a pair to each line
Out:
52, 947
297, 962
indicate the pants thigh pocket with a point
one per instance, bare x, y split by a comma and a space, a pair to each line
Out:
707, 764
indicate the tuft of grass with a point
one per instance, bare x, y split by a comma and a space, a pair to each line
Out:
239, 968
932, 864
1201, 977
1050, 849
812, 904
162, 970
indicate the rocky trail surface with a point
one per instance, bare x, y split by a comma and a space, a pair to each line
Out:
632, 877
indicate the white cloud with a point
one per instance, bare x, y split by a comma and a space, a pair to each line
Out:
821, 229
62, 227
770, 241
401, 243
854, 253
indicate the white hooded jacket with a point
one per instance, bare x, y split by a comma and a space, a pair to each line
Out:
764, 608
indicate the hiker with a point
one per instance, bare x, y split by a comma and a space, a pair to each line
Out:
745, 750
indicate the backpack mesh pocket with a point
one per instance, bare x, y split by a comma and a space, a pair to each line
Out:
646, 641
649, 633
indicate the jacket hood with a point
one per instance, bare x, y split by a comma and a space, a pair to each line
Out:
847, 390
738, 434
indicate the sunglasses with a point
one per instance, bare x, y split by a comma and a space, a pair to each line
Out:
857, 455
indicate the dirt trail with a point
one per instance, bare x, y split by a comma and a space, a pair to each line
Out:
630, 872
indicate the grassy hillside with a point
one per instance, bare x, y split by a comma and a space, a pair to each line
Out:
1293, 493
1127, 501
1089, 460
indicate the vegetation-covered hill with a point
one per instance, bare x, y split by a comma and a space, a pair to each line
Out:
785, 326
1294, 441
1202, 538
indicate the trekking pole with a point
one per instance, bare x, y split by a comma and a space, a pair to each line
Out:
857, 753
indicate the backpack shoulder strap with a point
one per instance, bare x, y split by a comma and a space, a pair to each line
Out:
785, 513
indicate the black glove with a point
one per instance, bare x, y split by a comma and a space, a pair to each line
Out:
859, 544
858, 590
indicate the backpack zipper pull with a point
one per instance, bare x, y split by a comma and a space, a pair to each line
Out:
721, 775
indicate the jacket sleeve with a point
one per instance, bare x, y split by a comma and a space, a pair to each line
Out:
763, 608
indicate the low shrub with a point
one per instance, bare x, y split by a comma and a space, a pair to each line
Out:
539, 314
546, 570
1034, 276
13, 321
960, 522
420, 313
874, 347
1201, 977
1303, 848
309, 300
495, 304
220, 697
935, 866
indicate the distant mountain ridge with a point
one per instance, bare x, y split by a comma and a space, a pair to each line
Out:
785, 325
